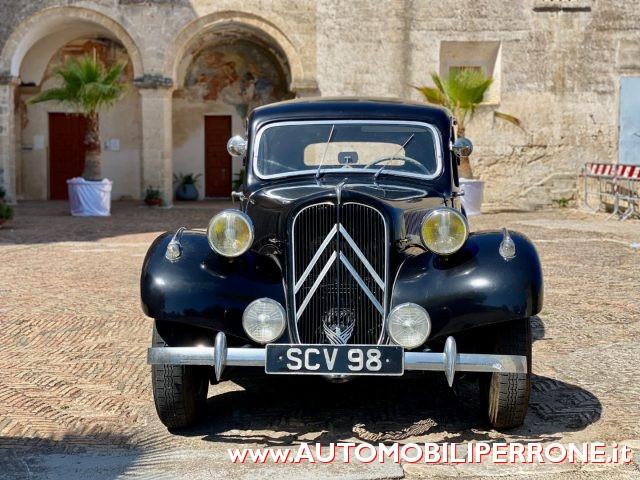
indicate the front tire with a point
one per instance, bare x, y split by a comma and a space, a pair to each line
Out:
179, 391
507, 394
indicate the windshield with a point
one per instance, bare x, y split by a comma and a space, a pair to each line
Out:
347, 146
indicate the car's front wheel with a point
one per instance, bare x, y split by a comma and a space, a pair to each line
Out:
507, 394
179, 391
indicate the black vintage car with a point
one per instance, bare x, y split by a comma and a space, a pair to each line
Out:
349, 254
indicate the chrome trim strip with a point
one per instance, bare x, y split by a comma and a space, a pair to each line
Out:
437, 141
256, 357
361, 283
315, 285
315, 258
361, 256
237, 357
466, 362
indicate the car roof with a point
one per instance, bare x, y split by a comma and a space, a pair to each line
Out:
319, 108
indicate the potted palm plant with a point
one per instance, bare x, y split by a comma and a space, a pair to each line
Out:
88, 86
462, 91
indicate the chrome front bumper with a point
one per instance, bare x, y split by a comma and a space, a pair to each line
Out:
449, 361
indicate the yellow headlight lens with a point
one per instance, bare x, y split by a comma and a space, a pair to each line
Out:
444, 231
230, 233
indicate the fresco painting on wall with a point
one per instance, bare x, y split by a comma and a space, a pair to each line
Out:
241, 74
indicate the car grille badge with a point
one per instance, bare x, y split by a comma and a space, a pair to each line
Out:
338, 325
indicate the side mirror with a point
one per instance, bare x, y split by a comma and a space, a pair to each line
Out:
462, 147
237, 146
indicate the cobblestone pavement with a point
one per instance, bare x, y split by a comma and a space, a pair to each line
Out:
75, 395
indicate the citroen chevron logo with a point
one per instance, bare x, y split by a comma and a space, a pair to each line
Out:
339, 256
338, 326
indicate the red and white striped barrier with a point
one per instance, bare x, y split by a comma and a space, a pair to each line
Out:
614, 170
617, 184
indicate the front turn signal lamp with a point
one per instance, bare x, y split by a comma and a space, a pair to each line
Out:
230, 233
444, 230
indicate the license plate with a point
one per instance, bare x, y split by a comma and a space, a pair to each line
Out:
334, 359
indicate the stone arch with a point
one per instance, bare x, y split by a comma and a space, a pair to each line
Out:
255, 26
58, 20
26, 61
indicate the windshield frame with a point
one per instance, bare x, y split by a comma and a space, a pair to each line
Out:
437, 142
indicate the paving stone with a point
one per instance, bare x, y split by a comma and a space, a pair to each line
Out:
75, 386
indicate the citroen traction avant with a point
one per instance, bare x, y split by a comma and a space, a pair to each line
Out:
349, 254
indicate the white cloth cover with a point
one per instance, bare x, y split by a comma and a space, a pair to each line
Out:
473, 195
89, 199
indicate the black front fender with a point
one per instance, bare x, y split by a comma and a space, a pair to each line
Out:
204, 289
473, 287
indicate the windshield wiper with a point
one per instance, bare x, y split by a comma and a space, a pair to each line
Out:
326, 147
375, 176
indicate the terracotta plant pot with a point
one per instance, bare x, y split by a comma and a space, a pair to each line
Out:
153, 202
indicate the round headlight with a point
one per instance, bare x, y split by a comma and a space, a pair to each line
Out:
409, 325
264, 320
444, 230
230, 233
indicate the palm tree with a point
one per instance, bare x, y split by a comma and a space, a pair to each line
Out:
461, 92
87, 86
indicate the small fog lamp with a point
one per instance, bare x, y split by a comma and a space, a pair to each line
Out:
264, 320
409, 325
444, 231
230, 233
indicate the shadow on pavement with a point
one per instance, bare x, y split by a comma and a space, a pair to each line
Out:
93, 455
378, 410
383, 409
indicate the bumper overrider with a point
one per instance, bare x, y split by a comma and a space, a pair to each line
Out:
449, 361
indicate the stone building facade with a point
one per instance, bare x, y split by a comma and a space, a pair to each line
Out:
192, 65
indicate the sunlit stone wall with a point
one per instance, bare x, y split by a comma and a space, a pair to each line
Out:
556, 66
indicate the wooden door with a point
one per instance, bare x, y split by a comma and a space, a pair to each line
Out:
66, 151
217, 161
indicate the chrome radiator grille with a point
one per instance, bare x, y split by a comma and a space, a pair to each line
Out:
339, 264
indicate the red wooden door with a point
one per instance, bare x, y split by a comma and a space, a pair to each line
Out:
66, 151
217, 161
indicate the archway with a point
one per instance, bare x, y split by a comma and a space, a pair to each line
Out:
223, 74
58, 26
37, 46
255, 26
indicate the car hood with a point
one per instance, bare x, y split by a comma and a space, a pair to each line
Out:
272, 208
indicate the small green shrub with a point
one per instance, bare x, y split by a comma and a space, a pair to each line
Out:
6, 212
152, 194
